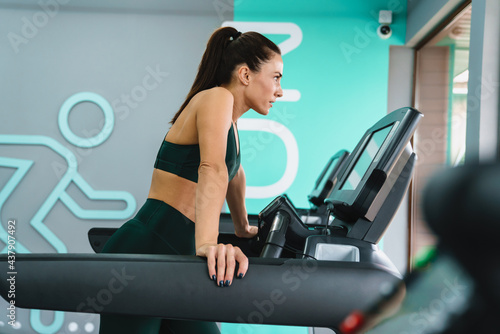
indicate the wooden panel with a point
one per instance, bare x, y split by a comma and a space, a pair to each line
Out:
431, 92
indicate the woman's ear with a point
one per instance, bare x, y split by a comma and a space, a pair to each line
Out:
243, 75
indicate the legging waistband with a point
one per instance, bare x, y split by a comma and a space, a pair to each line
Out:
158, 205
164, 219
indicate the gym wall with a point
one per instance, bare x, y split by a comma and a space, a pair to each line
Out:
88, 89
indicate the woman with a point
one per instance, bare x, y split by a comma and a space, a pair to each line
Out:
198, 166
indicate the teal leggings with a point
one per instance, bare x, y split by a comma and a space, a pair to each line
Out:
157, 228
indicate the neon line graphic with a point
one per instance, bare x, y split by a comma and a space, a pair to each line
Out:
22, 168
59, 192
109, 119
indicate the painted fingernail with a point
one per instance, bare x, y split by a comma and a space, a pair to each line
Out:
213, 278
228, 282
221, 283
240, 275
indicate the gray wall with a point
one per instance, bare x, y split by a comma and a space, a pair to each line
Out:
142, 64
142, 61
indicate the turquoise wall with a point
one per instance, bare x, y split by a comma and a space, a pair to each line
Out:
340, 69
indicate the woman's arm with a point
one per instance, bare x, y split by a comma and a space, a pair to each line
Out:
213, 120
236, 202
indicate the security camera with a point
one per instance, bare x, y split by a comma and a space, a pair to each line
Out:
384, 31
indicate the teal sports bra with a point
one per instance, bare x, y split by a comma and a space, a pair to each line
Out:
184, 160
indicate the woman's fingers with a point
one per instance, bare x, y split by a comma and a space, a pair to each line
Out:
211, 262
249, 232
230, 265
222, 260
221, 264
242, 262
253, 230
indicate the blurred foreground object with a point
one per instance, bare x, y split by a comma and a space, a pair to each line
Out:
457, 289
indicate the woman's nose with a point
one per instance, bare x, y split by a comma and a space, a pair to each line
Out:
279, 92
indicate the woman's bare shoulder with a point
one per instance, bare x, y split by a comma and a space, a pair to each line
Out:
215, 101
215, 94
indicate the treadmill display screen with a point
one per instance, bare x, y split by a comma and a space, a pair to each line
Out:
365, 159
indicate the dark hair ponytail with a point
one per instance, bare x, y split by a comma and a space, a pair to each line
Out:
226, 48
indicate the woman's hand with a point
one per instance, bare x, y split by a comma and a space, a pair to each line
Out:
247, 232
221, 261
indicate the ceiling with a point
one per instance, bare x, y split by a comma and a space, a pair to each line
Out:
457, 32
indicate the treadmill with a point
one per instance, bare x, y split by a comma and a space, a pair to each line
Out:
318, 289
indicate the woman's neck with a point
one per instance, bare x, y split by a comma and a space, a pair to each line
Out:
239, 105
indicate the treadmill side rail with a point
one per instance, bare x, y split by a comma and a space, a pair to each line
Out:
274, 291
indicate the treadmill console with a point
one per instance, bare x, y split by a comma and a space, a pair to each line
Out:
376, 176
280, 222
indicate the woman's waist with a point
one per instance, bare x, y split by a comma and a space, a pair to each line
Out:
175, 191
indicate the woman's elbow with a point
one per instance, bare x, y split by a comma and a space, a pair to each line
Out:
213, 169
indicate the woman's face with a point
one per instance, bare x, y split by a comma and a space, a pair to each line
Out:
264, 87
